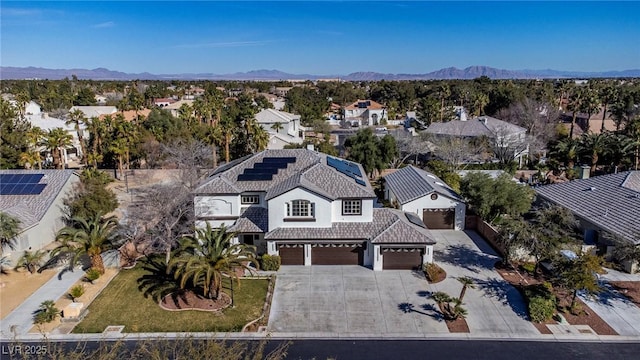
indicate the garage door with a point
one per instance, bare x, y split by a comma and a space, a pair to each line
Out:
401, 259
291, 254
439, 218
334, 254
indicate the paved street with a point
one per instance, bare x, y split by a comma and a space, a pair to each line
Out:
22, 316
354, 299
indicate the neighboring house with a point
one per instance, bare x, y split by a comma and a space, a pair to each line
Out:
280, 91
35, 197
310, 208
175, 107
95, 111
504, 136
129, 115
434, 202
607, 203
163, 102
593, 124
37, 118
365, 113
291, 132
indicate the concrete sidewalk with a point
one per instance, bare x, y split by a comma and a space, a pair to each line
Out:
20, 320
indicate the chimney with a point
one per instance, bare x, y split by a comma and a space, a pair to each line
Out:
311, 147
585, 171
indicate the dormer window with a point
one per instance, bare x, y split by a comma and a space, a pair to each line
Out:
300, 209
250, 199
351, 207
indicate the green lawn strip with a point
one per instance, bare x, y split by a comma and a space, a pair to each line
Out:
121, 303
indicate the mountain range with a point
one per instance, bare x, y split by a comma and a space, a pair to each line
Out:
472, 72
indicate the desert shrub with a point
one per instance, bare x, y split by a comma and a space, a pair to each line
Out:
46, 313
529, 267
76, 292
92, 275
270, 262
434, 272
541, 302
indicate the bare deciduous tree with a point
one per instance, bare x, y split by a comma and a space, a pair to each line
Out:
457, 151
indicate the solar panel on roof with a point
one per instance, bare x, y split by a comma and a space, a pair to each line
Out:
255, 177
285, 160
20, 178
272, 171
21, 189
415, 220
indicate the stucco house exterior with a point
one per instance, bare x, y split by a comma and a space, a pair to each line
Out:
290, 133
417, 191
95, 111
310, 209
505, 138
41, 215
602, 204
365, 113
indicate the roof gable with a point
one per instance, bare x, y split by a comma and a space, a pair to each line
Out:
411, 183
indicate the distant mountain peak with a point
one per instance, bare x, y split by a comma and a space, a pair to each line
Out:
471, 72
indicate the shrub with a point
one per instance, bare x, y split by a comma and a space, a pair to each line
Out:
46, 313
92, 275
541, 302
76, 292
270, 262
434, 272
529, 267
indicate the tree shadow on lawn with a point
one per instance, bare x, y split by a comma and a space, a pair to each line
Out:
505, 293
463, 256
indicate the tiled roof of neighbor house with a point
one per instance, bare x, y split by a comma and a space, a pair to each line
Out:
271, 116
95, 111
389, 226
310, 171
176, 105
410, 183
255, 219
128, 115
372, 105
611, 202
30, 209
164, 100
480, 126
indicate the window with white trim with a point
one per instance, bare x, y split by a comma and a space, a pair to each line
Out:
351, 207
300, 208
250, 199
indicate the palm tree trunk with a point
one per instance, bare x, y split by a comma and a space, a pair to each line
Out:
604, 115
573, 123
594, 161
573, 298
215, 155
462, 292
227, 143
120, 167
97, 263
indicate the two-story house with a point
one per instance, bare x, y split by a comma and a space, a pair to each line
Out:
283, 128
365, 113
310, 208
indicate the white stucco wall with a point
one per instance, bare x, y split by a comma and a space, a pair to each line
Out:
442, 202
367, 212
44, 232
219, 205
277, 210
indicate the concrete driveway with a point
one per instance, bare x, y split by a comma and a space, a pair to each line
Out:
357, 300
614, 308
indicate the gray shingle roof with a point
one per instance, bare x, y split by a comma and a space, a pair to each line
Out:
310, 170
474, 127
389, 226
410, 183
254, 219
611, 202
30, 209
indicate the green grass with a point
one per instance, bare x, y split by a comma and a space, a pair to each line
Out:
121, 303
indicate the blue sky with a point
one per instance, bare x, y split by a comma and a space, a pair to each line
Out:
324, 37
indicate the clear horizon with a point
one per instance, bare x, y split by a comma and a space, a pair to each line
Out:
320, 38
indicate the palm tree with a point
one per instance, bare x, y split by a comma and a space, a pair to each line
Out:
88, 237
9, 230
277, 126
445, 93
227, 128
208, 256
480, 100
567, 149
47, 312
77, 118
621, 149
260, 138
590, 104
575, 105
157, 281
56, 140
444, 304
32, 156
466, 282
593, 145
29, 158
608, 95
31, 260
119, 148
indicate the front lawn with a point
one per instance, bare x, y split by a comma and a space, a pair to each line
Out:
121, 303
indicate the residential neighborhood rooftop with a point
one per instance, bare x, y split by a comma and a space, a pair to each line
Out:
611, 202
30, 209
479, 126
410, 183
